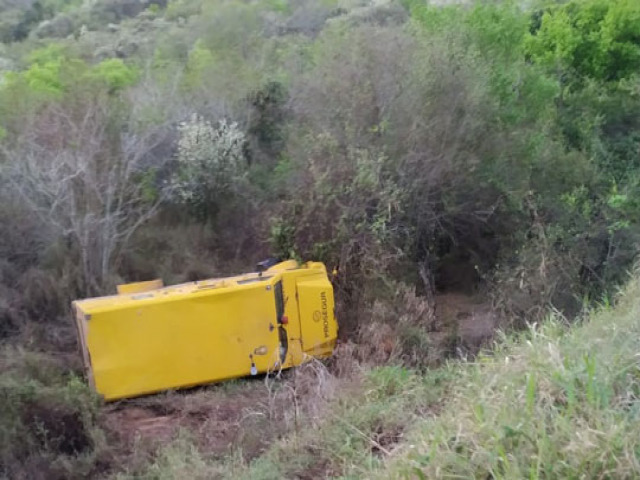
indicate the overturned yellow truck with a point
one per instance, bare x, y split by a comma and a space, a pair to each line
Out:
150, 338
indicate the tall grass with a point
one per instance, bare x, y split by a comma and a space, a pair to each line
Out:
48, 420
555, 402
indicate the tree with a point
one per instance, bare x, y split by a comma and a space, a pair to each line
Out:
88, 177
595, 38
211, 161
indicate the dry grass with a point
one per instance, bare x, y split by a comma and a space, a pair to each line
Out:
327, 425
47, 420
397, 330
213, 430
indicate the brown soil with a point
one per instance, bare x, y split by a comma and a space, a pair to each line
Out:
469, 317
246, 416
57, 427
218, 419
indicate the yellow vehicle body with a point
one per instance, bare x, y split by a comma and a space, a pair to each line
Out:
151, 338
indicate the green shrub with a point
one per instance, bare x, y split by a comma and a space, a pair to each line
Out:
48, 419
594, 39
115, 73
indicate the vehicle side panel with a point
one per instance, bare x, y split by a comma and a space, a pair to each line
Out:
194, 339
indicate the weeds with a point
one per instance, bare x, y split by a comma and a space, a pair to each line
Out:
327, 426
554, 403
48, 420
551, 402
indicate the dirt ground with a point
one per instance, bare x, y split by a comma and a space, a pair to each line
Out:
218, 418
247, 415
470, 316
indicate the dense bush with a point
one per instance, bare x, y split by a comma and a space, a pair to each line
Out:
211, 163
48, 421
489, 147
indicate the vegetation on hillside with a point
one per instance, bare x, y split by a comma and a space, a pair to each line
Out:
486, 148
443, 147
552, 402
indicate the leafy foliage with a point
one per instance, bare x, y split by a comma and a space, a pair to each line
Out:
413, 147
211, 160
596, 39
115, 74
490, 136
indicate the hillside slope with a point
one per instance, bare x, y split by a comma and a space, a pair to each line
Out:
554, 403
557, 401
465, 166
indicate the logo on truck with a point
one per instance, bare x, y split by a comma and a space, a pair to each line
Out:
325, 314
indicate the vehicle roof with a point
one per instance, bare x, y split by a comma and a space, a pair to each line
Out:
175, 292
211, 286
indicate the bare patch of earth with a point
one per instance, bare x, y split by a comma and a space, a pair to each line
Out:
217, 418
469, 317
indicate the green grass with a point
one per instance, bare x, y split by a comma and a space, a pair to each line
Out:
47, 419
356, 431
556, 401
350, 433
